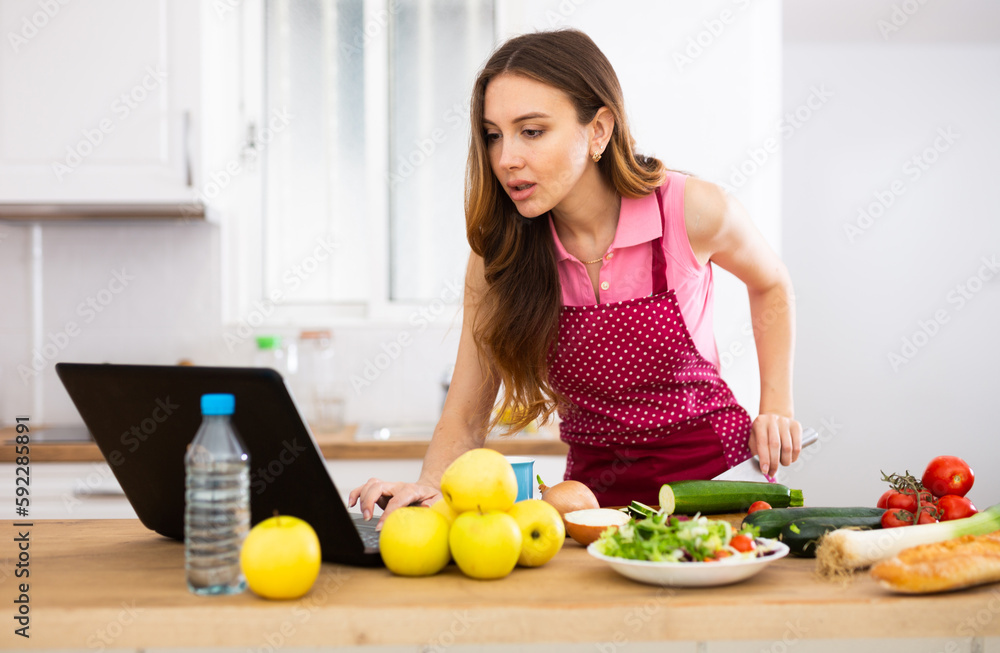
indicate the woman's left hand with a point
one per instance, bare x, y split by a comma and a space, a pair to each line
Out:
775, 438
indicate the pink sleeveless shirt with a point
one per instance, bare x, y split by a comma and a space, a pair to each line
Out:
625, 272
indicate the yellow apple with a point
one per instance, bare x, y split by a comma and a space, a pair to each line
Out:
481, 480
414, 541
485, 545
542, 531
280, 557
442, 507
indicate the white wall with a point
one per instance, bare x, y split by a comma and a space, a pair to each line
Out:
861, 293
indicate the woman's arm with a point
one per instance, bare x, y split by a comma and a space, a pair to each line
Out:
720, 230
462, 426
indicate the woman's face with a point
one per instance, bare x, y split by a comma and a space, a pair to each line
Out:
538, 149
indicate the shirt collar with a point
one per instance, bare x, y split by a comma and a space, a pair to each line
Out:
638, 222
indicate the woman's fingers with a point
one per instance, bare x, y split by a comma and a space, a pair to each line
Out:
775, 439
796, 432
774, 447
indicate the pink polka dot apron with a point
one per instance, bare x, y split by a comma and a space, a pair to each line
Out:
643, 406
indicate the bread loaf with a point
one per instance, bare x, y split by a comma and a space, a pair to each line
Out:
953, 564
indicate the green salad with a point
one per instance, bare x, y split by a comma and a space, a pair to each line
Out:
664, 538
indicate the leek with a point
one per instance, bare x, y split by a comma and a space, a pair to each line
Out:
845, 550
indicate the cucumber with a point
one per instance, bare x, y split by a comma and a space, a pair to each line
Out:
639, 510
770, 522
709, 497
802, 535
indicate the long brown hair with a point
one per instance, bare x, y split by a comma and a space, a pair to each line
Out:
518, 317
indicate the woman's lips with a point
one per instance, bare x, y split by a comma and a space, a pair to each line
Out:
521, 192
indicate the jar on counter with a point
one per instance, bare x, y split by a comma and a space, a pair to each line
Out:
320, 389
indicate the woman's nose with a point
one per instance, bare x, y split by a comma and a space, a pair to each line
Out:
510, 155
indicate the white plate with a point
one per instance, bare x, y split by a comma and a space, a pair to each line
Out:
691, 574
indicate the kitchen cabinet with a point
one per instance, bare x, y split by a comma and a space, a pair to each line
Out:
111, 584
101, 102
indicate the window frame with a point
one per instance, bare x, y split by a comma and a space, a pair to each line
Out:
242, 230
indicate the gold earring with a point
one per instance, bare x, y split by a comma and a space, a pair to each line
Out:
596, 156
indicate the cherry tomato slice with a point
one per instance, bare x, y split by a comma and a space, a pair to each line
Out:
758, 505
742, 543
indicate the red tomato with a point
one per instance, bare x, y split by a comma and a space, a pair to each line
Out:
758, 505
894, 518
742, 543
955, 507
948, 475
900, 501
882, 499
906, 500
926, 518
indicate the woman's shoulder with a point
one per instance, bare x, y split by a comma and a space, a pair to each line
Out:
697, 203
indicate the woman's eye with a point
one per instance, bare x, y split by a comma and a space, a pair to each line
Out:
492, 136
532, 133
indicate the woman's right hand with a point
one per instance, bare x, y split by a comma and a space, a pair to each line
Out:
389, 496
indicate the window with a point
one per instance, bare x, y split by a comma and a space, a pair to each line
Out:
370, 165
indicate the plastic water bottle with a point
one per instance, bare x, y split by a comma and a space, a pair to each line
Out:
217, 501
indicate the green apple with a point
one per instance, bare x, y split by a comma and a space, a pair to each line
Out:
414, 541
542, 531
485, 545
280, 557
481, 480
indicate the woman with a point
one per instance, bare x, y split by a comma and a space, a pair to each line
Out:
589, 290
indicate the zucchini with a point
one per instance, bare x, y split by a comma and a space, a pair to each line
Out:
770, 522
802, 535
638, 510
709, 497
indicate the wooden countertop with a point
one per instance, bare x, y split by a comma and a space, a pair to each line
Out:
113, 584
340, 445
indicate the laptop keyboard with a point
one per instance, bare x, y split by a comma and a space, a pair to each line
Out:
366, 529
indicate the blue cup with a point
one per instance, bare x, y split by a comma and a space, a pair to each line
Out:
524, 471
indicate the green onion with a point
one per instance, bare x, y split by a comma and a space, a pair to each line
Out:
845, 550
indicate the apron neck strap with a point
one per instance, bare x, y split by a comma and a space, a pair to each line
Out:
659, 260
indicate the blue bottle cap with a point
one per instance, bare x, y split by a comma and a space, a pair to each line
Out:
217, 404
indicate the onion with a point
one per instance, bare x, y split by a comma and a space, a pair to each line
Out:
585, 526
568, 496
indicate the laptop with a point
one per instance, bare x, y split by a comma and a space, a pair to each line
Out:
142, 418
